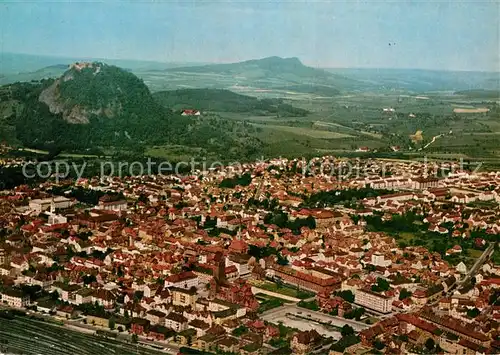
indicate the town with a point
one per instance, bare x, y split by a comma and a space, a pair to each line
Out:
398, 257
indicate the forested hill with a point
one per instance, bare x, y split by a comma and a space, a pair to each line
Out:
220, 100
91, 104
270, 65
94, 105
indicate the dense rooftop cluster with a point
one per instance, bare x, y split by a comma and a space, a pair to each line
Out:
386, 259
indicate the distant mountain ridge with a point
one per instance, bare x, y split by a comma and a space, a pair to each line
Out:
271, 65
281, 75
421, 80
276, 73
480, 94
17, 67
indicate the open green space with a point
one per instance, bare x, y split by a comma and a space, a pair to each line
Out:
285, 290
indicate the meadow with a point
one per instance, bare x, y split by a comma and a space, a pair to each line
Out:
341, 125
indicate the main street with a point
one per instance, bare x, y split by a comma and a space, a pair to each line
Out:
479, 262
472, 272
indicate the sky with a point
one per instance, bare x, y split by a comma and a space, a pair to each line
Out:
449, 35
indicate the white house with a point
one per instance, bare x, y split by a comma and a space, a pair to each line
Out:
39, 205
15, 298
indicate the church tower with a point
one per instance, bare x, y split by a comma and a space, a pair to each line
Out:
220, 270
52, 206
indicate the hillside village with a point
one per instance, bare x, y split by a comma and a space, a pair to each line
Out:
396, 257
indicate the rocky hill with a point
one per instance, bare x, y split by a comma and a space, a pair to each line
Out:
95, 90
97, 105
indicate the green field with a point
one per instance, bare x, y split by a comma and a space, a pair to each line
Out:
175, 152
342, 124
303, 131
284, 290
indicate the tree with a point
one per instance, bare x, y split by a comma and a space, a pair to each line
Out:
138, 295
404, 294
143, 198
88, 279
347, 295
310, 222
430, 344
334, 312
377, 344
282, 329
111, 323
240, 330
54, 296
381, 285
312, 305
473, 313
135, 338
495, 298
370, 267
282, 260
347, 330
279, 218
355, 313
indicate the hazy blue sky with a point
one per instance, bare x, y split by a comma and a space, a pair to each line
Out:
458, 35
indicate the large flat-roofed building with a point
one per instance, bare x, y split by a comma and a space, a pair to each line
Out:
40, 205
455, 326
373, 300
184, 280
424, 183
108, 203
315, 279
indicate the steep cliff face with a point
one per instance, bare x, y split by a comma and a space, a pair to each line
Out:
52, 98
92, 89
94, 105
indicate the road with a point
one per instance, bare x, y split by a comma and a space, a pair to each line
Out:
433, 140
281, 312
478, 264
473, 270
23, 335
